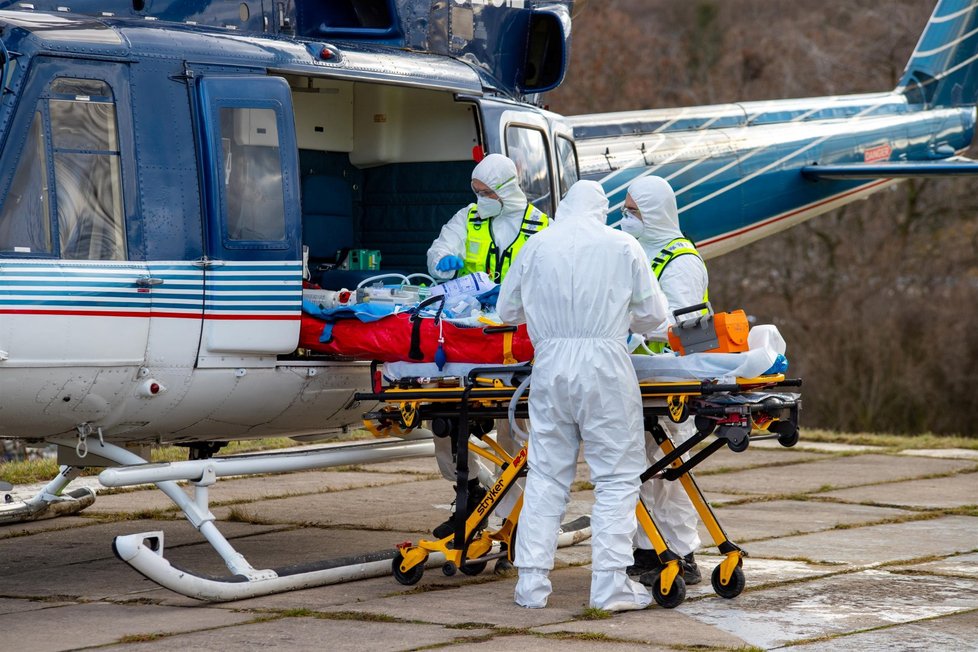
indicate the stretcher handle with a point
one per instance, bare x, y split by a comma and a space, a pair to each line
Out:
489, 330
688, 309
415, 352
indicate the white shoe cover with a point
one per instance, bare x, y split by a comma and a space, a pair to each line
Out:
613, 591
533, 588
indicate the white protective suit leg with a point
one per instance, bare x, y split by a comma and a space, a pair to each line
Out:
673, 511
552, 463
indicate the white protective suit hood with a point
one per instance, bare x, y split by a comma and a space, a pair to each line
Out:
584, 201
656, 202
500, 174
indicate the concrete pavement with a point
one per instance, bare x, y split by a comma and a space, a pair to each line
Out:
850, 548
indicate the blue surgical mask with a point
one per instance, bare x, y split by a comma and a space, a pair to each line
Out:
488, 207
632, 225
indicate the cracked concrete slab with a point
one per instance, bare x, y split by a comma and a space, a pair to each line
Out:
12, 530
725, 460
959, 565
655, 626
947, 453
101, 623
778, 518
877, 544
831, 473
954, 632
936, 493
773, 617
14, 606
817, 446
538, 644
315, 634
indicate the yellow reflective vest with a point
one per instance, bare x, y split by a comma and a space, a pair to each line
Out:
482, 253
676, 248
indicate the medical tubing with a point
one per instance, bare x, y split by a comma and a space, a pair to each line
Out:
382, 276
511, 412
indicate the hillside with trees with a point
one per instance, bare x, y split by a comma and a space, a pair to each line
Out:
878, 301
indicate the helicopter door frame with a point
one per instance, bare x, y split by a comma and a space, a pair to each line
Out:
252, 222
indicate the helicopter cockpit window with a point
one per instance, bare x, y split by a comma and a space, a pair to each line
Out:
25, 222
87, 170
252, 164
528, 149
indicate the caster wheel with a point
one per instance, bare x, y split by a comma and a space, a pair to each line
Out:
704, 425
787, 433
733, 588
410, 576
473, 569
675, 596
449, 569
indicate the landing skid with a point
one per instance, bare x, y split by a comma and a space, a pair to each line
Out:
144, 551
49, 502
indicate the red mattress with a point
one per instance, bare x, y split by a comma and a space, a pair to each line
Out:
390, 340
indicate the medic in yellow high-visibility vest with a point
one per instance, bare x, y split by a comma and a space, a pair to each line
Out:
650, 214
487, 235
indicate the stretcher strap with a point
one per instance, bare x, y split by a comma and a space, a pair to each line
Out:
508, 357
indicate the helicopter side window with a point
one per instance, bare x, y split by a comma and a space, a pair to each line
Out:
253, 191
566, 164
25, 222
528, 149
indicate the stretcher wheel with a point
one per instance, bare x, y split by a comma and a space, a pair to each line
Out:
449, 568
787, 433
704, 425
473, 569
733, 588
676, 595
410, 576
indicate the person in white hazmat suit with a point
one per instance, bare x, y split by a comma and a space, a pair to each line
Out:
485, 236
651, 216
579, 286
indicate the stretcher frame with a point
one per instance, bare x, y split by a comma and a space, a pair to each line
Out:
751, 413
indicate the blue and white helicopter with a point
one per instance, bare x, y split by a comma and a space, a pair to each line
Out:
165, 162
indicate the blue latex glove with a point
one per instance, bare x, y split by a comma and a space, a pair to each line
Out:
450, 264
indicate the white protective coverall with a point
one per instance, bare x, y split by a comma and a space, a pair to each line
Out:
579, 285
684, 281
499, 173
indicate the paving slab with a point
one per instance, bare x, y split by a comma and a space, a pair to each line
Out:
758, 573
538, 644
935, 493
12, 530
13, 606
489, 602
725, 460
956, 632
959, 565
947, 453
817, 446
833, 473
101, 623
256, 488
778, 518
312, 634
655, 626
773, 617
867, 546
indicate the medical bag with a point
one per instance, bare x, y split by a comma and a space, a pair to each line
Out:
708, 332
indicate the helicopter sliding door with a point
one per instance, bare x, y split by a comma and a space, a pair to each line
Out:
253, 263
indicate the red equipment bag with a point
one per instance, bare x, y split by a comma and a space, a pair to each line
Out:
402, 337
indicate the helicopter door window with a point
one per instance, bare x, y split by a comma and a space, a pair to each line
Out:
528, 149
25, 222
566, 164
87, 170
252, 163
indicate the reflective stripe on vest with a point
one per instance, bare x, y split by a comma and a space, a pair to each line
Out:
672, 251
481, 251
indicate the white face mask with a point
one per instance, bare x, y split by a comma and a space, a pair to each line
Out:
489, 207
632, 225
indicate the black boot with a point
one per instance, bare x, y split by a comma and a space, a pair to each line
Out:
645, 561
691, 572
476, 494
